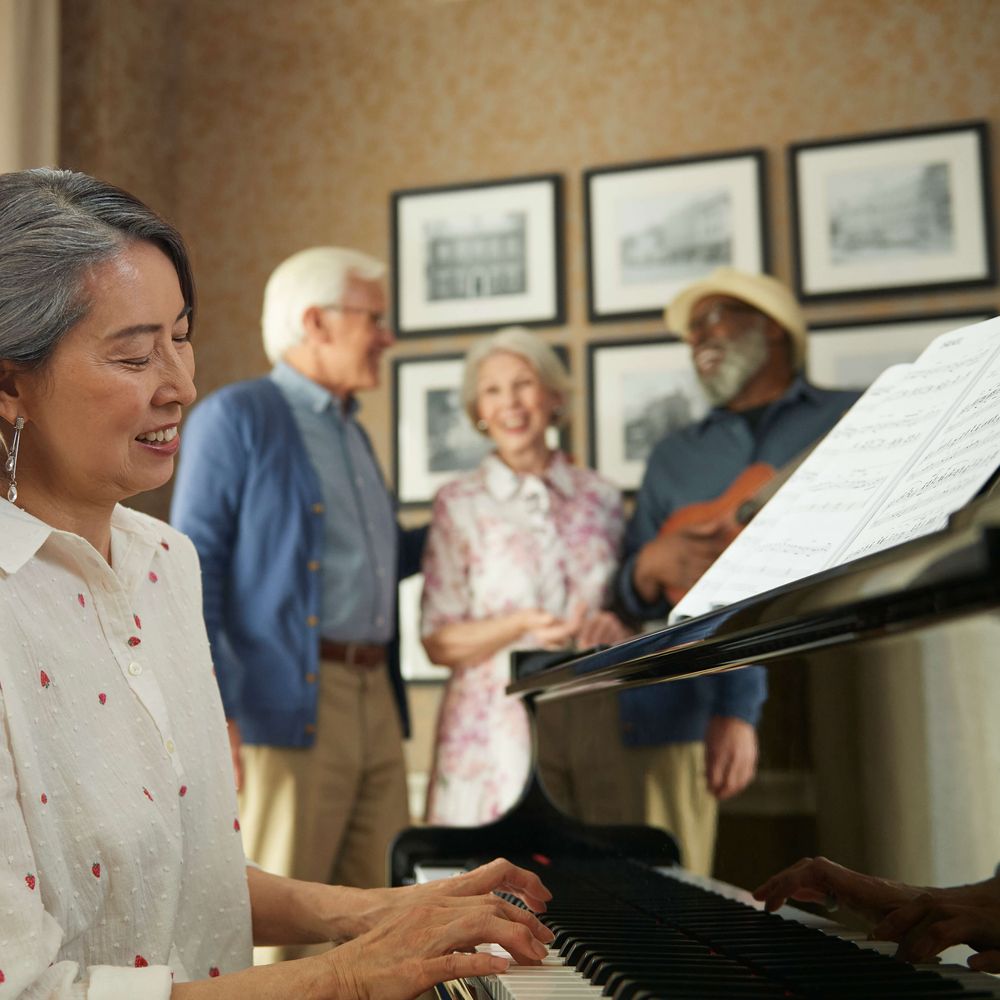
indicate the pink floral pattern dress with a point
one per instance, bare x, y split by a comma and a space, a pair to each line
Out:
501, 542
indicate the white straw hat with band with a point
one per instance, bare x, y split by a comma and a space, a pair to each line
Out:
761, 291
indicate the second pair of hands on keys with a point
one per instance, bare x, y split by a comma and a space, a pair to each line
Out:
923, 920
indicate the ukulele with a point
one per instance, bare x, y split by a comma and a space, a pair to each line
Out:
735, 508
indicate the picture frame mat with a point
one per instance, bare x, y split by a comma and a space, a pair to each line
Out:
851, 355
540, 303
742, 174
610, 363
962, 149
414, 378
414, 663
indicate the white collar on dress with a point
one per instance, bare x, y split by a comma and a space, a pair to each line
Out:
504, 483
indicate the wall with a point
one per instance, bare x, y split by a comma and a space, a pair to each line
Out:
29, 83
264, 127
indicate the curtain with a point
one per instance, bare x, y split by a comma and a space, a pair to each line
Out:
29, 83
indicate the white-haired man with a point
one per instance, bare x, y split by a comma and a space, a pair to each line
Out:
695, 742
280, 491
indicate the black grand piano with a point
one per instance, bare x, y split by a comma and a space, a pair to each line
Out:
630, 923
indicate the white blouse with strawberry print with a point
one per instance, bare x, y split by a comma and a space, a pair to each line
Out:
121, 865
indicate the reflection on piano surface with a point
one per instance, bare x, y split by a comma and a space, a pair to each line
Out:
631, 932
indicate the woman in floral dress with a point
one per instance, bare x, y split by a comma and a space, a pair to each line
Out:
520, 554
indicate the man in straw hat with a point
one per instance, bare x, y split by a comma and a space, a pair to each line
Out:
696, 740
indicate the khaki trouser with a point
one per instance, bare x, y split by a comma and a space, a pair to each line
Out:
590, 774
328, 813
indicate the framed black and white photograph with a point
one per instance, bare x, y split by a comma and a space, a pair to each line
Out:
853, 353
654, 227
640, 390
434, 440
478, 256
894, 212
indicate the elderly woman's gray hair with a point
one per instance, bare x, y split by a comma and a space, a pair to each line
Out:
525, 344
55, 226
313, 277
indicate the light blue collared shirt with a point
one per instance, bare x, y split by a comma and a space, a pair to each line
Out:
360, 542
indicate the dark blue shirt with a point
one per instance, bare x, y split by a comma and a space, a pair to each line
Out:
690, 465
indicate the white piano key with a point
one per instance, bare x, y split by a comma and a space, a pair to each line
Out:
553, 978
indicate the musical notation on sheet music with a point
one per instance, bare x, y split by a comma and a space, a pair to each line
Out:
915, 448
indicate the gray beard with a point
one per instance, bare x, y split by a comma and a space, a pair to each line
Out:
742, 359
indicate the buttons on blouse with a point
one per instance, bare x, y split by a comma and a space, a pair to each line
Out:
318, 508
134, 669
312, 621
313, 565
170, 745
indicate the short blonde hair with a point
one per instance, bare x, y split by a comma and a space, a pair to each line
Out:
313, 277
527, 345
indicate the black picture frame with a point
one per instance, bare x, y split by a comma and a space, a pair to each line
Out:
892, 213
477, 256
718, 204
639, 389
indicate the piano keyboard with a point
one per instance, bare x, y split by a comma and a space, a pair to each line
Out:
633, 934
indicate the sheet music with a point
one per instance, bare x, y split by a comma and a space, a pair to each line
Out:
915, 448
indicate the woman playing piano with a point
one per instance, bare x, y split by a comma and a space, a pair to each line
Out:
520, 553
123, 875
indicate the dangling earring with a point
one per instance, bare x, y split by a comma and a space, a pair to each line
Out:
11, 467
557, 412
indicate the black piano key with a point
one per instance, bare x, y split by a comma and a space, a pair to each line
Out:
640, 936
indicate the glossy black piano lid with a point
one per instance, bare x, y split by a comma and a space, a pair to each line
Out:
950, 574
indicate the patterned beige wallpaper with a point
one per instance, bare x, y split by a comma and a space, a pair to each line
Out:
262, 127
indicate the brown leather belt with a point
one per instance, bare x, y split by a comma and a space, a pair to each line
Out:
355, 653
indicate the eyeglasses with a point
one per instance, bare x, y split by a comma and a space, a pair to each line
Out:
719, 313
378, 319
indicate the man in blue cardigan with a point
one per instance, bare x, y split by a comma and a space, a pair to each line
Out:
694, 742
301, 553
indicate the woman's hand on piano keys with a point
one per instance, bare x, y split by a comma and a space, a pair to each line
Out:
426, 934
498, 875
469, 889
